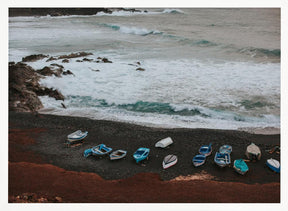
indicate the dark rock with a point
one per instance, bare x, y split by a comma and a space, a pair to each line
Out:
49, 71
105, 60
51, 59
50, 92
140, 69
22, 82
87, 60
24, 88
78, 60
33, 58
75, 55
63, 105
68, 72
57, 65
65, 61
138, 63
55, 11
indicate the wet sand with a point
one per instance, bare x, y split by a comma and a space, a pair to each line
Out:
40, 163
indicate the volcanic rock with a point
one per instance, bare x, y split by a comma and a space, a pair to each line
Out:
33, 58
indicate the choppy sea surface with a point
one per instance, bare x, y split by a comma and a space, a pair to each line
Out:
203, 68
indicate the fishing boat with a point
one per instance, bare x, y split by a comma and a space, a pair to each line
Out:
76, 136
273, 164
87, 152
141, 154
169, 160
164, 142
199, 160
118, 154
225, 149
206, 150
222, 159
240, 166
101, 150
253, 152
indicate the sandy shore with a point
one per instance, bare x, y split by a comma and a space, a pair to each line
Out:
40, 163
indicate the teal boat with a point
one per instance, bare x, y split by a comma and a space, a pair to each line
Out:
240, 166
141, 154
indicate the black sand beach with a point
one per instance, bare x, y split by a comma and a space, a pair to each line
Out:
37, 141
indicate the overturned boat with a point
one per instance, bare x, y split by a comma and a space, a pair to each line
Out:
240, 166
206, 150
169, 160
273, 164
253, 152
222, 159
225, 149
199, 160
141, 154
118, 154
76, 136
101, 150
164, 142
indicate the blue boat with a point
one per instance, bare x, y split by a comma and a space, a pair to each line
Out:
87, 153
240, 166
206, 150
101, 150
141, 154
273, 164
222, 159
225, 149
199, 160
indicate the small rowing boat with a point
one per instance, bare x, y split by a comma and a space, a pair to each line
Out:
222, 159
76, 136
169, 160
240, 166
273, 164
199, 160
118, 154
141, 154
253, 152
101, 150
225, 149
206, 150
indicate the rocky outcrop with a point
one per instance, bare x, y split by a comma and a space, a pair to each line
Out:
66, 58
33, 58
24, 88
55, 11
64, 11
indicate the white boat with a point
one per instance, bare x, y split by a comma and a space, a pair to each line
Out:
118, 154
253, 152
273, 164
164, 142
169, 160
77, 136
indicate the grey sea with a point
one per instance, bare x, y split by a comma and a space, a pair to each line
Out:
200, 68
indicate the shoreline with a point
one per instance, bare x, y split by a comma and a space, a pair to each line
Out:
36, 146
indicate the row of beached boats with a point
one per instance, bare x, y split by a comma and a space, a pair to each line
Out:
222, 157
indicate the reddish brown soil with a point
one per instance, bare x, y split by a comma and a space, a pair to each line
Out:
81, 187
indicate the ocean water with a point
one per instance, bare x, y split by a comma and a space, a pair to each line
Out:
204, 68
